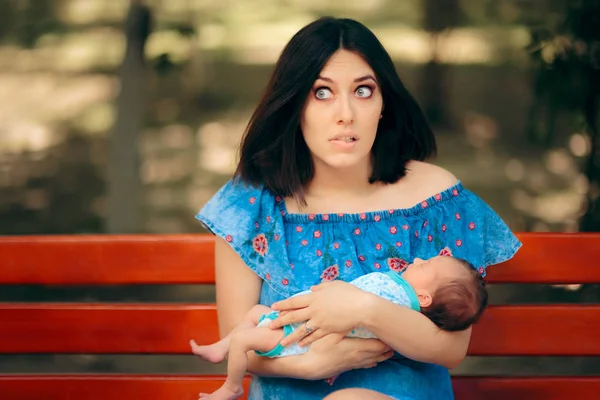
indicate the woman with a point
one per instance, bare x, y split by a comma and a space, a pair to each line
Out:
331, 185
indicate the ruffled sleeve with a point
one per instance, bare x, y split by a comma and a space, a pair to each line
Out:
249, 220
489, 240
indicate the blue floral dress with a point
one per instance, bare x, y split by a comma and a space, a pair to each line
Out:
291, 252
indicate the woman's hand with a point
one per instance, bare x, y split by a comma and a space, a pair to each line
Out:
332, 307
334, 354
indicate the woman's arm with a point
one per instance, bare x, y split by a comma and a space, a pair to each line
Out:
412, 334
338, 306
238, 289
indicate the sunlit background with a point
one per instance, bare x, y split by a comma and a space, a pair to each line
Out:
116, 118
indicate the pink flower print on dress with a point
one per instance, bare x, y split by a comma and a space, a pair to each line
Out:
268, 218
252, 200
268, 276
317, 234
340, 215
471, 225
361, 258
304, 242
336, 245
398, 244
377, 265
444, 227
298, 229
391, 211
325, 217
330, 273
348, 263
260, 244
445, 252
377, 218
393, 230
378, 246
311, 217
363, 216
457, 215
424, 204
458, 242
330, 380
319, 253
256, 225
357, 231
425, 224
397, 264
405, 227
430, 238
285, 281
438, 197
228, 238
276, 237
455, 192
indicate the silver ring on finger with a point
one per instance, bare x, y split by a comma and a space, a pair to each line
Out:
308, 329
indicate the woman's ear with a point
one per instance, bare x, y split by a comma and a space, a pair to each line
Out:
424, 297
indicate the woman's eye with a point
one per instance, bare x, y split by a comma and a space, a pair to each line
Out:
323, 93
364, 91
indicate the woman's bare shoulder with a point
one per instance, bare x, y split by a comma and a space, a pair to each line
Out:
431, 176
424, 180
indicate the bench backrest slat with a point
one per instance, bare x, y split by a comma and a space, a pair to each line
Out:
113, 387
174, 259
129, 387
92, 328
107, 260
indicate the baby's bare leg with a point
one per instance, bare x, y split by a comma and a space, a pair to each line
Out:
357, 394
242, 341
217, 352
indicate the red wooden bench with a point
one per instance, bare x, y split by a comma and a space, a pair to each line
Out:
508, 330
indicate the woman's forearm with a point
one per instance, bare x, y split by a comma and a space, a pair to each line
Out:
290, 367
412, 334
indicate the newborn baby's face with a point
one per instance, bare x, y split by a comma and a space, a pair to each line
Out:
429, 274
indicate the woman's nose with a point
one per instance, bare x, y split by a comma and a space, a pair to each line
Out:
345, 111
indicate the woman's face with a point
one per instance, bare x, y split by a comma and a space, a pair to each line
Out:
340, 117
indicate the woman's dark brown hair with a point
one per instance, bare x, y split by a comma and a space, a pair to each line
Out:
273, 152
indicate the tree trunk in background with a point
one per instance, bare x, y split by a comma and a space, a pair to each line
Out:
438, 16
583, 20
591, 220
124, 185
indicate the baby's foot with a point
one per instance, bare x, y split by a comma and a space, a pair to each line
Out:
215, 353
224, 393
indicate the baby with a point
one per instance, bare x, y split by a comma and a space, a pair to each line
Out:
447, 290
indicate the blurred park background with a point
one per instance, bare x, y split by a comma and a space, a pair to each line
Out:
124, 117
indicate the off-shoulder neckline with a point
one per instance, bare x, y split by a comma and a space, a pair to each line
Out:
447, 195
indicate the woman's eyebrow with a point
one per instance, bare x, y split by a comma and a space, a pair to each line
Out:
365, 78
360, 79
324, 78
